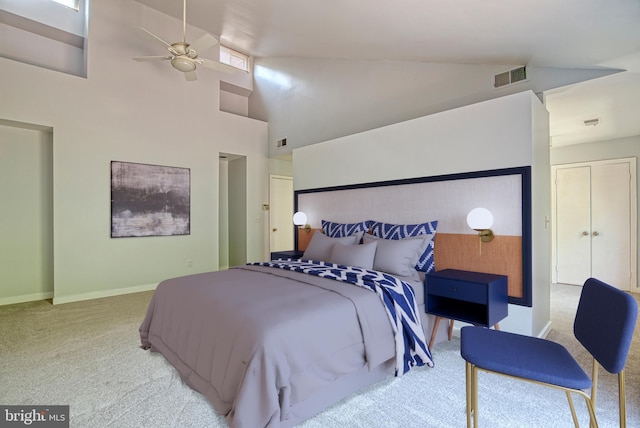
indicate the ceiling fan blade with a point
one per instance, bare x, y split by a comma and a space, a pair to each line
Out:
149, 33
152, 58
216, 65
203, 43
190, 76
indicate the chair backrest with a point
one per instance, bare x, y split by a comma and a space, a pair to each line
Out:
604, 323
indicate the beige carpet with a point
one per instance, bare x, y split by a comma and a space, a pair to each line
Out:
87, 355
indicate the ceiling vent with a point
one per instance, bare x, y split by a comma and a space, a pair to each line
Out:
510, 77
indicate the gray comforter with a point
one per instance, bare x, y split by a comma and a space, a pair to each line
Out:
265, 345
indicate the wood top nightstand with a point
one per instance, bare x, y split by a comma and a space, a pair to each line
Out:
473, 297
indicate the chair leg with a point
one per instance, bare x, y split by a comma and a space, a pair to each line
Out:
593, 422
474, 394
594, 389
623, 399
594, 380
573, 410
471, 375
468, 392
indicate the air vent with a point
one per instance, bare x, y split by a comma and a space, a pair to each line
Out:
510, 77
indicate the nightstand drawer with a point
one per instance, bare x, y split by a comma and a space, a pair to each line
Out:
460, 290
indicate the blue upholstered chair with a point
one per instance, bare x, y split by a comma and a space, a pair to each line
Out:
604, 324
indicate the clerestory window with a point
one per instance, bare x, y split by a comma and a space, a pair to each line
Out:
234, 58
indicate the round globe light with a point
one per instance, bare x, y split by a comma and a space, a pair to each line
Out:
480, 219
299, 218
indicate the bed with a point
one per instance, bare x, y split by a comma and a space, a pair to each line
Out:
271, 344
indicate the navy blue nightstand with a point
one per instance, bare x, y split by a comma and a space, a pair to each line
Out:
473, 297
292, 254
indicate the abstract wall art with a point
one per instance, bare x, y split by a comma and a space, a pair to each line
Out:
149, 200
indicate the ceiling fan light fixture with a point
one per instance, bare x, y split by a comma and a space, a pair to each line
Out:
183, 64
184, 56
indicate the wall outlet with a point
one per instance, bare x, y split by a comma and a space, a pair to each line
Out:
189, 263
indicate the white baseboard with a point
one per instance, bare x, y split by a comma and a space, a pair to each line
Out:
545, 331
105, 293
25, 298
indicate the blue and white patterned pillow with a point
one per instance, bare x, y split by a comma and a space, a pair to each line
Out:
339, 230
426, 262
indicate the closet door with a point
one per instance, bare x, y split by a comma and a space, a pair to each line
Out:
610, 224
573, 225
596, 222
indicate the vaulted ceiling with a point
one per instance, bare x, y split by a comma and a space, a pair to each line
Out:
545, 33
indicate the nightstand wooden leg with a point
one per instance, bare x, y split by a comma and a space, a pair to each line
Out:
450, 330
434, 331
496, 326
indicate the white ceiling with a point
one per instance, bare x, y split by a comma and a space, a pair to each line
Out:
568, 33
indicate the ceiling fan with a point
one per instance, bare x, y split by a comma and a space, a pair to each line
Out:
184, 56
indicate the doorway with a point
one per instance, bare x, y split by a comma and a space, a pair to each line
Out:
595, 222
232, 206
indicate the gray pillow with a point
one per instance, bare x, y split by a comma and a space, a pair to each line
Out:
396, 256
354, 255
320, 247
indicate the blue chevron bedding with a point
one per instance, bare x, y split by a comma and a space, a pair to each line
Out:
398, 299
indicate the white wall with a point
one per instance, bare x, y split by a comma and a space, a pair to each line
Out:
540, 214
506, 132
45, 34
488, 135
138, 112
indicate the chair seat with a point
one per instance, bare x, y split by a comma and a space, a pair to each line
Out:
522, 356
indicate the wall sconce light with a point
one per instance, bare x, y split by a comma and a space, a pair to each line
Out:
300, 220
481, 220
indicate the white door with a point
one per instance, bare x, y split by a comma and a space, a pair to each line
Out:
281, 213
596, 222
610, 224
573, 225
